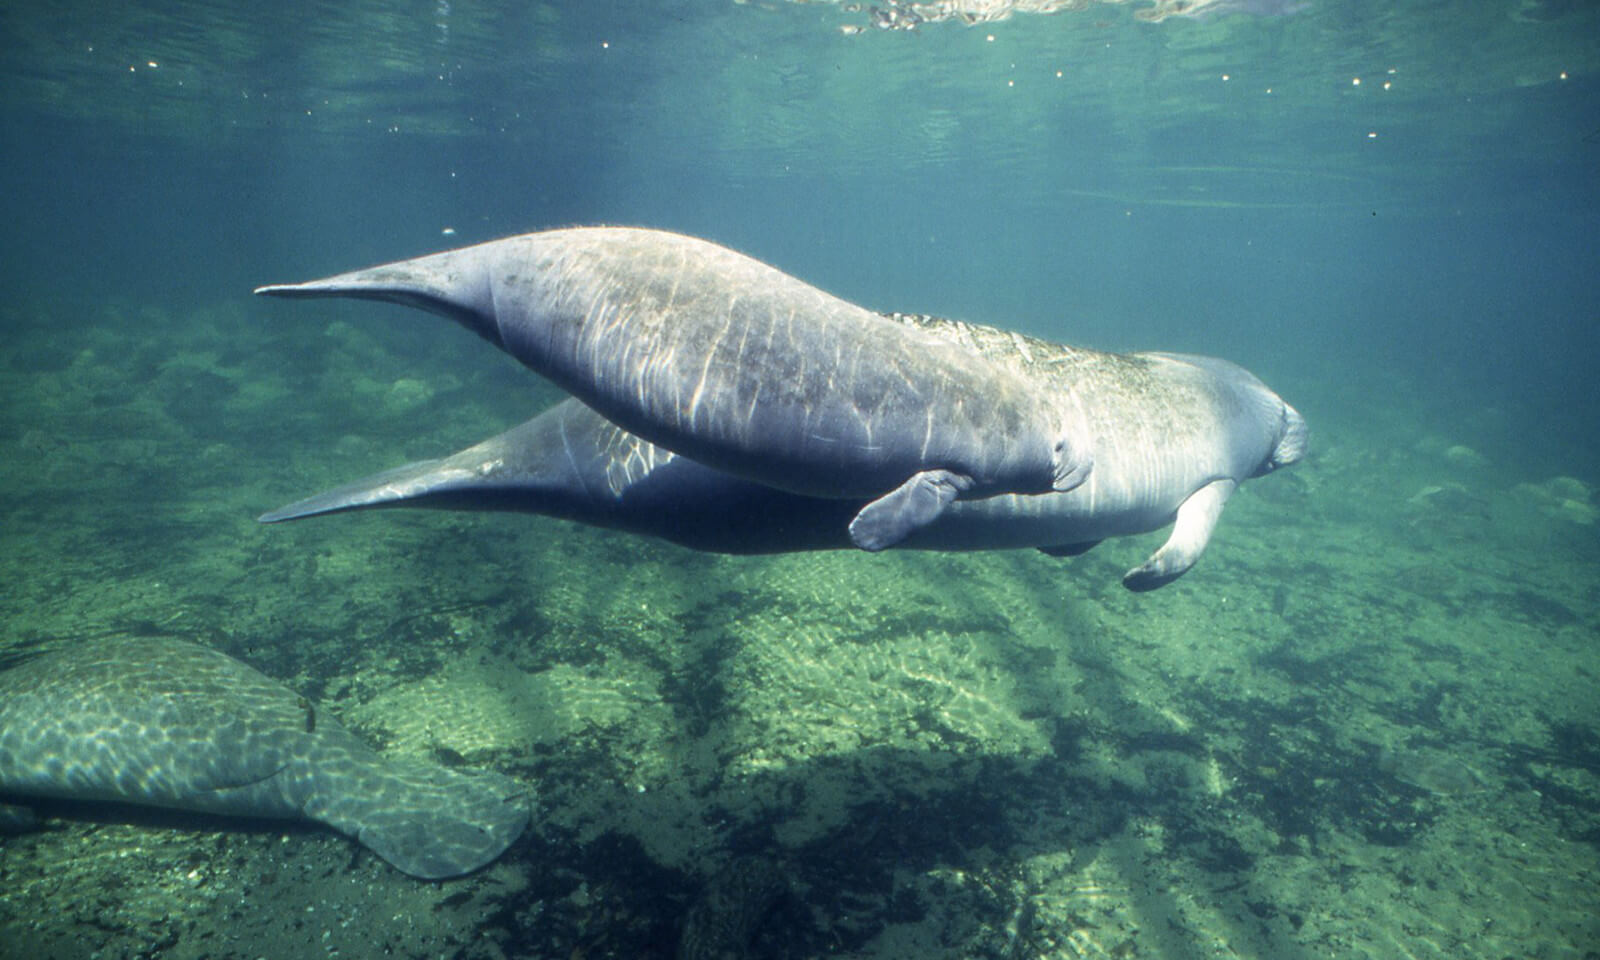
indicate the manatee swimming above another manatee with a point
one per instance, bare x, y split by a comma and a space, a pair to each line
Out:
171, 724
730, 362
1172, 437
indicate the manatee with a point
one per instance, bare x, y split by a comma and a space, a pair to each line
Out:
572, 463
1173, 437
732, 363
173, 724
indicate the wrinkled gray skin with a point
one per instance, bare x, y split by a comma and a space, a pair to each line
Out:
1171, 436
572, 463
732, 363
171, 724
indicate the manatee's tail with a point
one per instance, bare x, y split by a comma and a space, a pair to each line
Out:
407, 281
542, 466
428, 821
451, 283
401, 485
373, 284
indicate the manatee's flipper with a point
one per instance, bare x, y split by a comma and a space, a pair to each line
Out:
1071, 466
1191, 531
428, 821
916, 503
1070, 549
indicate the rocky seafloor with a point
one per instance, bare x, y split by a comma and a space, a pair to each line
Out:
1365, 726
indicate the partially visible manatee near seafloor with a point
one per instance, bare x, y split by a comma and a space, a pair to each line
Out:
173, 724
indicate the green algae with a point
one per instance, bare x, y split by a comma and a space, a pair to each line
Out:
1319, 739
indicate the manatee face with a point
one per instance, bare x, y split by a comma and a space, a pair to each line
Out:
1292, 443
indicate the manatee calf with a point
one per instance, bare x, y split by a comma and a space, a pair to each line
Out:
172, 724
1172, 436
732, 363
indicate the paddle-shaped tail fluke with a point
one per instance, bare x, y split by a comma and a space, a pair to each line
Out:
453, 284
404, 484
426, 821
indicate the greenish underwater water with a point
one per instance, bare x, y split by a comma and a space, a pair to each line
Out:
1364, 726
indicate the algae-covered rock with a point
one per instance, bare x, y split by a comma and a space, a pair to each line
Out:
1563, 498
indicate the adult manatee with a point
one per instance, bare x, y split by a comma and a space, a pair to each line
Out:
730, 362
1173, 437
